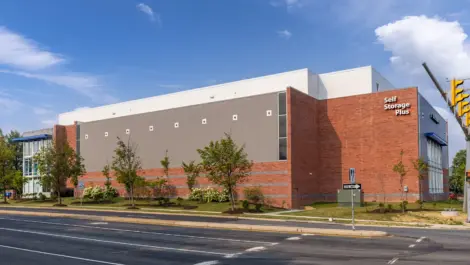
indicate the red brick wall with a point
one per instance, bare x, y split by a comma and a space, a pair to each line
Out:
272, 177
303, 146
66, 133
357, 132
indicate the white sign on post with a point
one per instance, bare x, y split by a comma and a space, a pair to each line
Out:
352, 175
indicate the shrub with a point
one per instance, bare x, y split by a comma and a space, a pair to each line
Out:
109, 193
179, 200
389, 207
95, 193
42, 197
421, 204
245, 205
254, 195
403, 205
258, 207
209, 195
197, 194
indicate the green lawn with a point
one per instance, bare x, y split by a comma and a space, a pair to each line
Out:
121, 203
430, 213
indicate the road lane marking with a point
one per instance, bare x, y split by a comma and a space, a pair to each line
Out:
234, 255
116, 242
307, 234
212, 262
393, 261
293, 238
60, 255
421, 239
99, 223
142, 232
412, 245
255, 249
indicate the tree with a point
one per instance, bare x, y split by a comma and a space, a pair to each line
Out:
17, 149
400, 169
165, 162
6, 167
192, 171
422, 168
18, 182
58, 163
457, 178
105, 173
126, 164
225, 164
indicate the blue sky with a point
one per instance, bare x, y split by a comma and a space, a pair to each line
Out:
56, 56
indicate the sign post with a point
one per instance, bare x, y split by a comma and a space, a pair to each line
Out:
352, 187
81, 187
352, 179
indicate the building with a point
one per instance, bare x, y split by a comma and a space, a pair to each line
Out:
304, 131
32, 142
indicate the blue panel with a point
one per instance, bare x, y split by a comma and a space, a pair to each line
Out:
436, 138
32, 138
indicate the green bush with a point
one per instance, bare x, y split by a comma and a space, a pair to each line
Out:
109, 193
95, 193
209, 195
258, 207
245, 205
389, 207
179, 200
42, 197
254, 195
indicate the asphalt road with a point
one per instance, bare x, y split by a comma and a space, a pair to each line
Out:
58, 241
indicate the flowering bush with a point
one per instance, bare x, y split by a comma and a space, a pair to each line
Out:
95, 193
209, 195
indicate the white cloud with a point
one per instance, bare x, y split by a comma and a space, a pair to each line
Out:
284, 34
86, 85
290, 4
439, 43
443, 46
9, 105
41, 111
50, 122
154, 17
20, 52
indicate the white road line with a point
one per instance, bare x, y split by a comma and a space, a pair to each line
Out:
421, 239
60, 255
293, 238
99, 223
141, 232
116, 242
255, 249
412, 245
393, 261
212, 262
234, 255
307, 234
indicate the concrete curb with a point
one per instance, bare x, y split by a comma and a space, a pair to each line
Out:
257, 228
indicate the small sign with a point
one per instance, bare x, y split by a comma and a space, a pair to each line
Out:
434, 118
352, 175
81, 185
352, 186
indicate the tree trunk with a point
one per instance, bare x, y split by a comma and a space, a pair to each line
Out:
232, 199
132, 196
4, 190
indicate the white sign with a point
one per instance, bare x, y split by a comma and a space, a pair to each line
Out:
400, 108
352, 175
81, 185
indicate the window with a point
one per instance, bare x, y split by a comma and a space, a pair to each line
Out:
204, 121
27, 167
151, 128
435, 173
269, 113
35, 168
235, 117
86, 136
377, 86
282, 123
128, 131
177, 125
105, 134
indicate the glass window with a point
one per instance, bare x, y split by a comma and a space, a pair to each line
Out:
282, 126
282, 103
436, 177
27, 167
283, 149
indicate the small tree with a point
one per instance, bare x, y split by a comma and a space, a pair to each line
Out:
126, 164
400, 169
226, 164
192, 171
422, 168
165, 162
105, 173
457, 178
18, 182
56, 164
7, 171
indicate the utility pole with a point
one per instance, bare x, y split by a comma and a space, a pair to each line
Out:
459, 108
